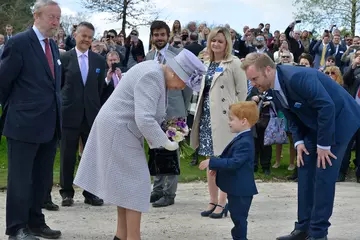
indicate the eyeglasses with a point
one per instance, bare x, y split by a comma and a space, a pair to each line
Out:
110, 36
285, 56
330, 73
259, 39
349, 40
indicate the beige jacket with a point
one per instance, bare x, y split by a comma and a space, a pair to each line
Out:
227, 87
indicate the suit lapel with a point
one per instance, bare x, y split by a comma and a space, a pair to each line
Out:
39, 52
75, 66
283, 86
232, 141
91, 67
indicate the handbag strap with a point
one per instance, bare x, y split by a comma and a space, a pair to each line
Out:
272, 110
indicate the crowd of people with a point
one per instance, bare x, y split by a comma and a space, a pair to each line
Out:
97, 99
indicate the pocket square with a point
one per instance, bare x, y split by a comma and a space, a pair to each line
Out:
59, 62
98, 70
297, 105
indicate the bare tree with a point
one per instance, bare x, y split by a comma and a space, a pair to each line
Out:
68, 20
131, 13
320, 13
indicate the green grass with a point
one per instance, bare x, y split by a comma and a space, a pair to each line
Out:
188, 173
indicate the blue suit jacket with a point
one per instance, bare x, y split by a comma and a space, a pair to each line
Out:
235, 166
317, 104
28, 90
338, 56
317, 49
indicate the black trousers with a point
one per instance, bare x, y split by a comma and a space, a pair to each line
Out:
347, 157
261, 151
68, 148
30, 173
239, 210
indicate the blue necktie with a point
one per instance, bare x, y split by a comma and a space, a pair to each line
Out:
249, 87
83, 68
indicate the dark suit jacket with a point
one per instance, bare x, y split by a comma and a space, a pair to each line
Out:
317, 104
296, 48
352, 80
240, 49
195, 48
28, 90
80, 100
107, 90
338, 56
253, 49
235, 166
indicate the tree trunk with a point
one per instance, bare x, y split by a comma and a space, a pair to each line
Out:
124, 13
353, 16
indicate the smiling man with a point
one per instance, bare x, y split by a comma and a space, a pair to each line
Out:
323, 117
83, 79
164, 190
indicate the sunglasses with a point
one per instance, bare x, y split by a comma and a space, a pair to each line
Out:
330, 73
285, 56
349, 40
110, 36
259, 39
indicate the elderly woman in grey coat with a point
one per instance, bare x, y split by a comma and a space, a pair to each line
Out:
113, 164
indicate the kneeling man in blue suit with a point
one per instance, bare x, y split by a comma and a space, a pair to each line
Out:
323, 117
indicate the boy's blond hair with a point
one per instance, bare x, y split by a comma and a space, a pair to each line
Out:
246, 109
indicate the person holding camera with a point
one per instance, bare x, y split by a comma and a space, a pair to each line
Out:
135, 52
113, 76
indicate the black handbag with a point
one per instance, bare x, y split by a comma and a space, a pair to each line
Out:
163, 162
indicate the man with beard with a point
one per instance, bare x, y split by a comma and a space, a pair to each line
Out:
259, 46
164, 189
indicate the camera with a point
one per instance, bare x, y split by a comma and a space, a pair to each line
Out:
114, 66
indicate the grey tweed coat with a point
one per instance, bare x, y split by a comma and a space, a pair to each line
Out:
113, 165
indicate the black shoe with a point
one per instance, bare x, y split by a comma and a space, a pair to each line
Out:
224, 212
50, 206
294, 176
67, 202
195, 160
155, 197
46, 232
23, 234
116, 238
341, 177
267, 172
208, 212
164, 202
94, 201
294, 235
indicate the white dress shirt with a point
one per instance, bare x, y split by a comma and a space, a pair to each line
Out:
277, 87
162, 52
247, 130
40, 37
79, 54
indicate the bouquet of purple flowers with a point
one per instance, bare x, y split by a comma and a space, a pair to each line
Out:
176, 129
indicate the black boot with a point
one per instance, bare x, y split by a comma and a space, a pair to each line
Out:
294, 176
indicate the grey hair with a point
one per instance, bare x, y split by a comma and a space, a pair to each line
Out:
43, 3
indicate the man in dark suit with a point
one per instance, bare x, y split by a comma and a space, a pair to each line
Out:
9, 32
30, 76
339, 51
83, 78
296, 46
323, 118
239, 47
194, 46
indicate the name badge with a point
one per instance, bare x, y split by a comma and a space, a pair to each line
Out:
97, 70
219, 69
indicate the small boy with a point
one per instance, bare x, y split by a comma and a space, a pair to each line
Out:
234, 168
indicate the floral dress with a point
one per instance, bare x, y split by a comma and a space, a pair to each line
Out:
205, 133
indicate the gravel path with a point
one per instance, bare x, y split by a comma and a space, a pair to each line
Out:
272, 214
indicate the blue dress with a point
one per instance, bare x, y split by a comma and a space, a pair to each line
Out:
205, 132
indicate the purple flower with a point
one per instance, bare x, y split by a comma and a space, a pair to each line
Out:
181, 124
170, 133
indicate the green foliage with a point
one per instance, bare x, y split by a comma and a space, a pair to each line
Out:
322, 13
16, 13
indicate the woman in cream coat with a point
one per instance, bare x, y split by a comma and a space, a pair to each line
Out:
224, 84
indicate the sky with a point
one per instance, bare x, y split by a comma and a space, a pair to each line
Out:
237, 13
